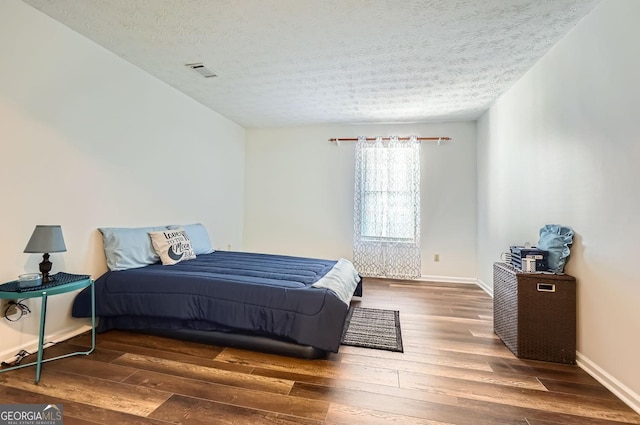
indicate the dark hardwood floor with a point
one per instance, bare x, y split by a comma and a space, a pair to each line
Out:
454, 371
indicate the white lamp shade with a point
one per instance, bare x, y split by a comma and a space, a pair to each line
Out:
46, 239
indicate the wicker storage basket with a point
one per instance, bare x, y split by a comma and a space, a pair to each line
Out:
535, 314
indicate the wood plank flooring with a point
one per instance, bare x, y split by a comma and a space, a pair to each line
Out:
454, 371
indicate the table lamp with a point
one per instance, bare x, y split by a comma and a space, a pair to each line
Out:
46, 239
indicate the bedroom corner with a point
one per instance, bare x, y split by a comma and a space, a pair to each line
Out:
89, 140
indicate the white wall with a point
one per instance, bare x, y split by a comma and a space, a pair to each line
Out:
562, 147
88, 140
299, 192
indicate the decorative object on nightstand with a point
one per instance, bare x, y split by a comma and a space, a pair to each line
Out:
29, 280
46, 239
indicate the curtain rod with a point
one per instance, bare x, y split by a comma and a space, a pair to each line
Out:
386, 139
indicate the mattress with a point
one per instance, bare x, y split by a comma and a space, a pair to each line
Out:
260, 294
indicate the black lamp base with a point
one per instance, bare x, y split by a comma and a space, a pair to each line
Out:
45, 268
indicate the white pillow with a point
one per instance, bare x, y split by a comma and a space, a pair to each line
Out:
172, 246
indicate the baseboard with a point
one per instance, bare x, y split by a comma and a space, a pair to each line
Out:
468, 280
485, 287
9, 355
624, 393
447, 279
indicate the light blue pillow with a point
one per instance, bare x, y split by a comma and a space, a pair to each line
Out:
129, 248
198, 236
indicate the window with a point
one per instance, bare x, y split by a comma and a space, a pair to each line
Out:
387, 206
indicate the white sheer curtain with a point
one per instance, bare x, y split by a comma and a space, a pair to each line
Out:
387, 208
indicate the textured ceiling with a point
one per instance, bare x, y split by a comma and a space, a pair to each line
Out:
299, 62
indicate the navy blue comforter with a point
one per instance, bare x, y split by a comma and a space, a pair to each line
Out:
269, 295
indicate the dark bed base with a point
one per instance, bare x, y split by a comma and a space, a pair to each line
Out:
246, 341
242, 341
358, 291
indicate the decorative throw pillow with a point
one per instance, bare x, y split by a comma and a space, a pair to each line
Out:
199, 237
172, 246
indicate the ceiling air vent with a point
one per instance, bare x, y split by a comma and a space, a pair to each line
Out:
202, 69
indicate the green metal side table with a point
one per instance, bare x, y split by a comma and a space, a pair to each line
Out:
45, 291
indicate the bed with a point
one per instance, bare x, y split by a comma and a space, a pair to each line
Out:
287, 305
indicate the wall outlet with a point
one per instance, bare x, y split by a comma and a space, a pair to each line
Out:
229, 247
436, 258
11, 310
5, 304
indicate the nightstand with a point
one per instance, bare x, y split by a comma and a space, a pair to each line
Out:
63, 283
